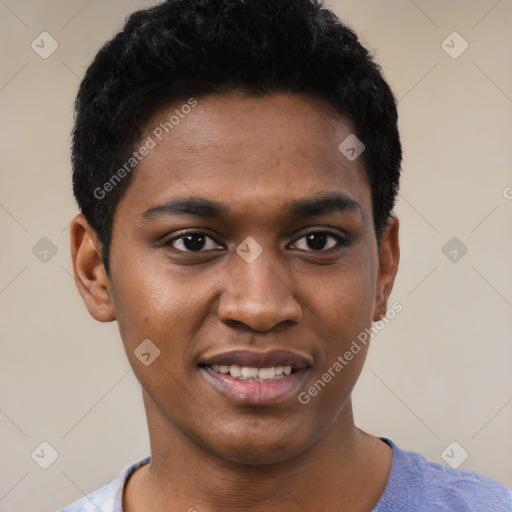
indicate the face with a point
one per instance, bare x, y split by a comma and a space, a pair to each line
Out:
245, 245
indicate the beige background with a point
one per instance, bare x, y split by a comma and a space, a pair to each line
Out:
439, 372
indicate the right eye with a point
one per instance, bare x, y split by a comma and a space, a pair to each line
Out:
191, 242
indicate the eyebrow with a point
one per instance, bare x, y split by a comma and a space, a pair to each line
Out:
201, 207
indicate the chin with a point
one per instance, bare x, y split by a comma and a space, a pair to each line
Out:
261, 455
269, 447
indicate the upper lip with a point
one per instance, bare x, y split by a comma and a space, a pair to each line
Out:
252, 359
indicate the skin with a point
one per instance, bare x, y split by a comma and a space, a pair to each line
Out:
255, 156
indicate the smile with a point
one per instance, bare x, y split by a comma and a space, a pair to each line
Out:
251, 374
256, 378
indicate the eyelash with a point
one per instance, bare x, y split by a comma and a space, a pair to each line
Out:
340, 241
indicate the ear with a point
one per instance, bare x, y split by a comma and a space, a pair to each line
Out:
389, 256
90, 276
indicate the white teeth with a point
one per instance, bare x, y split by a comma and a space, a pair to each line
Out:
249, 373
253, 374
266, 373
235, 370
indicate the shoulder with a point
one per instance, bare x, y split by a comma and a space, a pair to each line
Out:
416, 483
101, 499
107, 498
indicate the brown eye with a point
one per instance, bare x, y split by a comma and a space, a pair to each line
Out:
192, 242
321, 241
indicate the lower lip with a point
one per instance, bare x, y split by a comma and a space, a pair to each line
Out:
256, 393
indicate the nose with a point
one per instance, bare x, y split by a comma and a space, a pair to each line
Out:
257, 296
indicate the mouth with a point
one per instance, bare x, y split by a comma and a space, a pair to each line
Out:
256, 378
252, 374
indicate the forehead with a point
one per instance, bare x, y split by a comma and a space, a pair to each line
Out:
242, 150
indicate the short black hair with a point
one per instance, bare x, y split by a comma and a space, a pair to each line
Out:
182, 49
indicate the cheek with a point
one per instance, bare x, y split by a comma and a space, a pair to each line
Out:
144, 304
154, 328
344, 300
154, 303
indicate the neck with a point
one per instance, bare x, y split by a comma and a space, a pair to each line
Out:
344, 470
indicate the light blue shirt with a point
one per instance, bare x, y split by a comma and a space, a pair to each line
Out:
414, 484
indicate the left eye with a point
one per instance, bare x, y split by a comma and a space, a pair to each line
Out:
317, 241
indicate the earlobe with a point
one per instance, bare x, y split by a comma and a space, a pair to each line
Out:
90, 276
389, 257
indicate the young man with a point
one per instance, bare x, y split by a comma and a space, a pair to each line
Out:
236, 163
